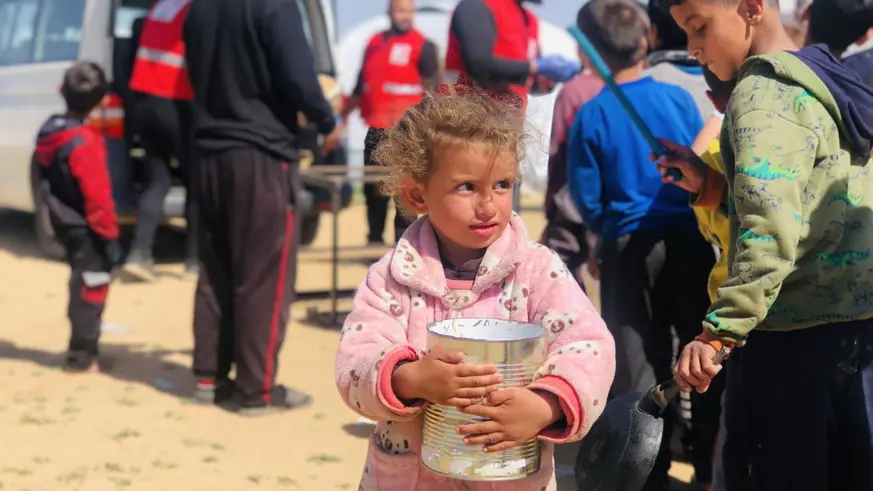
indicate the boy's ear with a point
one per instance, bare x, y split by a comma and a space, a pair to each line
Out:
412, 193
754, 11
865, 37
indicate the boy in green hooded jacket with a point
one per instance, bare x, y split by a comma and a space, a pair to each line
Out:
796, 147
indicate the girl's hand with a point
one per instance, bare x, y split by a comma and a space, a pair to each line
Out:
441, 378
516, 415
691, 166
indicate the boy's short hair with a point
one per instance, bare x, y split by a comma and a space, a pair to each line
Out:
616, 28
839, 23
670, 35
720, 89
84, 87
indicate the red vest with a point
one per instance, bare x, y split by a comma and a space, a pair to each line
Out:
159, 68
391, 78
517, 39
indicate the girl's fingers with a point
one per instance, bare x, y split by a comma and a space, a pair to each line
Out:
498, 447
469, 370
476, 392
479, 429
487, 412
462, 402
480, 380
500, 396
487, 439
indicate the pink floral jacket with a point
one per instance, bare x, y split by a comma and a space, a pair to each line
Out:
406, 290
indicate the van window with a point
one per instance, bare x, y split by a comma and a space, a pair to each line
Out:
315, 28
40, 31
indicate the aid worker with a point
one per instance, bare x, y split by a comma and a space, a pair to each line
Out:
494, 45
162, 111
399, 66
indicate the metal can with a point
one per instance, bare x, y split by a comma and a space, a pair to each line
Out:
517, 350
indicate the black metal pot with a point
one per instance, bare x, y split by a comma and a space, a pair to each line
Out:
619, 452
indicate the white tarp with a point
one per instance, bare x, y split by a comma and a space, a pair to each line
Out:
538, 122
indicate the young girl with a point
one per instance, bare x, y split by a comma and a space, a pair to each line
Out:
453, 159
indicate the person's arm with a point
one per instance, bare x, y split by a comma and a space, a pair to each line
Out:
711, 130
474, 27
775, 164
580, 363
583, 175
88, 166
353, 100
429, 67
293, 67
372, 345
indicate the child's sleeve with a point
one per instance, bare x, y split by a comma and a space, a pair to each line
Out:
583, 173
372, 345
774, 160
581, 352
88, 165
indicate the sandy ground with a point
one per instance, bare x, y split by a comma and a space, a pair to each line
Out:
132, 428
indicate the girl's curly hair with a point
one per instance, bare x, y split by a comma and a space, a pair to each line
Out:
455, 118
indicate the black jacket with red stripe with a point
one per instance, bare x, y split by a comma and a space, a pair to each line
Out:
75, 179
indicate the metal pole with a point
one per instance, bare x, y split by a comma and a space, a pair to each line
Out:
516, 197
335, 195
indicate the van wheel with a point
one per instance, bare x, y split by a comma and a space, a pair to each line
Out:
46, 240
309, 228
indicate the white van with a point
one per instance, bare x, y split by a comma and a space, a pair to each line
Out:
39, 40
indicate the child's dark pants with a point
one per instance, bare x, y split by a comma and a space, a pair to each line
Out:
89, 287
652, 280
807, 402
248, 259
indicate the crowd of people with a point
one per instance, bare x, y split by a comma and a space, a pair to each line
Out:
760, 250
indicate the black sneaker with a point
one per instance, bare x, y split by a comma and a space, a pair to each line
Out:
210, 391
140, 266
281, 399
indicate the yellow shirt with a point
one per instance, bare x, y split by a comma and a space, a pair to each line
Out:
714, 224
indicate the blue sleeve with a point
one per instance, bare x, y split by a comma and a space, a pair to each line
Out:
583, 176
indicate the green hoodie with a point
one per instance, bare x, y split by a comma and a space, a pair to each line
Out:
798, 203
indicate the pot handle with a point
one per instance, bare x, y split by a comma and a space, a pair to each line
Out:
660, 396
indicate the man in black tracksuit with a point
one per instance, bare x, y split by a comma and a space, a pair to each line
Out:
252, 72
